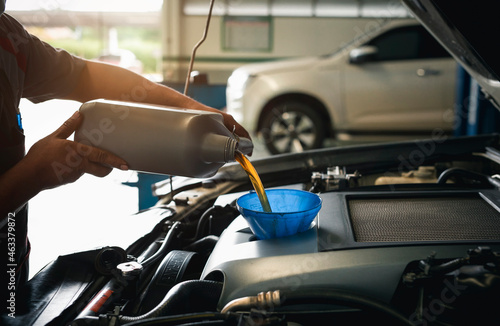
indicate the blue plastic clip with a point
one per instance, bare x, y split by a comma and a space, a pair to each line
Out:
19, 121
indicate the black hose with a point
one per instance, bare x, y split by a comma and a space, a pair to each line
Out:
206, 244
185, 297
444, 268
343, 298
446, 174
164, 247
202, 222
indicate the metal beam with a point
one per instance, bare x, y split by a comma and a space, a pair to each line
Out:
61, 18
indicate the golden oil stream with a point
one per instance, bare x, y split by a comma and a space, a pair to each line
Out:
255, 179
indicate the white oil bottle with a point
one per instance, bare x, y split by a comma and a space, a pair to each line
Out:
156, 139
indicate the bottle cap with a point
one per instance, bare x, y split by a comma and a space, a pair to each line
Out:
245, 146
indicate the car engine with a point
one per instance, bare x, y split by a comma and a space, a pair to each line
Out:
407, 236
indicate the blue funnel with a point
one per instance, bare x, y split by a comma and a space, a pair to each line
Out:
292, 212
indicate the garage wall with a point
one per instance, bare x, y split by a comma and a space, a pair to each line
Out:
251, 31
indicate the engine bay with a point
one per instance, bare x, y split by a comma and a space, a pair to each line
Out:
415, 246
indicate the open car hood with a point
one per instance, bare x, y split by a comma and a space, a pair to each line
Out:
463, 28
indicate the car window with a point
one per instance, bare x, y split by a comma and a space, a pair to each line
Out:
405, 43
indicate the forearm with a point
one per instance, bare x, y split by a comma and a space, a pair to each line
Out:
18, 185
100, 80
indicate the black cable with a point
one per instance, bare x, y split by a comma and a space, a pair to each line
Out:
200, 318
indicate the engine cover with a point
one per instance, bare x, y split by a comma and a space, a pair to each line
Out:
359, 242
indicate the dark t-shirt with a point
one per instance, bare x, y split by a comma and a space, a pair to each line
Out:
29, 68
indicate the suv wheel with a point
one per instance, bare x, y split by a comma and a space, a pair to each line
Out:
292, 126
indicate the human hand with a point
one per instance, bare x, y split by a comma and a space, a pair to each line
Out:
59, 161
231, 124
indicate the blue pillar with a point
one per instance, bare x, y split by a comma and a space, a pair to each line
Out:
474, 115
144, 183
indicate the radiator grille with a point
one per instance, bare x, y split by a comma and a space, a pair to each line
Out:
423, 219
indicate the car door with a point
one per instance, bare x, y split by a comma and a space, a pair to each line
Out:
407, 86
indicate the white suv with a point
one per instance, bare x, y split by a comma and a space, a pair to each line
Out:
395, 81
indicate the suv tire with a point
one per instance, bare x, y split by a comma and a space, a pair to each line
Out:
292, 126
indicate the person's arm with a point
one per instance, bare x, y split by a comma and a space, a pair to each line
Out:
101, 80
51, 162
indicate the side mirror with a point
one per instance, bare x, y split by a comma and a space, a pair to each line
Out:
363, 54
